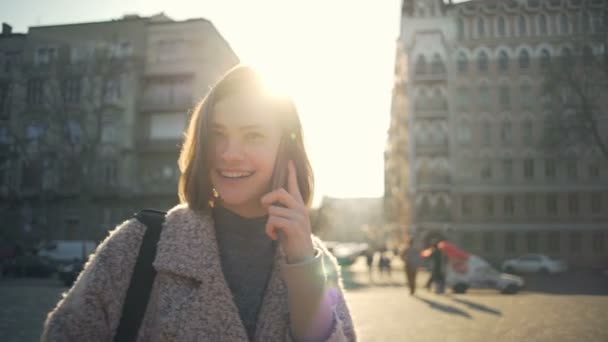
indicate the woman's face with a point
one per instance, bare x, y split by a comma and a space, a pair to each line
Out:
245, 144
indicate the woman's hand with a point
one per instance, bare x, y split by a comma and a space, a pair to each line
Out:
288, 219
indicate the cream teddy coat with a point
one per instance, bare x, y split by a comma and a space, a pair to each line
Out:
190, 299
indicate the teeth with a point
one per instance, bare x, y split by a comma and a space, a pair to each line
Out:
235, 174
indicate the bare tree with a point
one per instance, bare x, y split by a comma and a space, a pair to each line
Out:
575, 87
62, 144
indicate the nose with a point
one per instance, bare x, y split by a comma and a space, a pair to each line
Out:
232, 151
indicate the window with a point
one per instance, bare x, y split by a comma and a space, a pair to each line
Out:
585, 22
4, 138
552, 204
594, 170
587, 56
463, 63
502, 31
112, 91
506, 134
71, 90
481, 28
527, 96
35, 91
467, 205
504, 96
503, 61
542, 24
510, 242
550, 169
529, 169
34, 131
108, 132
421, 65
437, 65
109, 172
45, 55
482, 61
73, 132
554, 242
4, 98
488, 242
530, 204
522, 25
599, 242
488, 205
576, 239
563, 24
507, 169
532, 242
462, 97
524, 59
484, 96
460, 28
572, 169
573, 204
509, 206
486, 171
545, 59
566, 58
526, 131
464, 132
486, 133
596, 203
468, 240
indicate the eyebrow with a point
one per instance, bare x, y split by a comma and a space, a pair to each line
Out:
242, 128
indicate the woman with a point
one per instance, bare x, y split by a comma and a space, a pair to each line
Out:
236, 260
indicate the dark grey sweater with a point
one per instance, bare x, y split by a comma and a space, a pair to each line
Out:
247, 256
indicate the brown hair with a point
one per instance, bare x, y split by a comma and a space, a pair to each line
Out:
195, 186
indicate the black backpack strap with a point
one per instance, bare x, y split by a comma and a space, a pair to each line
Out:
138, 294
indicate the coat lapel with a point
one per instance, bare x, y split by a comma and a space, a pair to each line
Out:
273, 316
188, 248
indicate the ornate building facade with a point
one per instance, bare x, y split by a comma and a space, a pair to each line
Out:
466, 157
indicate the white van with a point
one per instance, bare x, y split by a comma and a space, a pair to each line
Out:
478, 273
66, 251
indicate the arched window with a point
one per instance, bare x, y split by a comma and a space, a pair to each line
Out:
460, 28
482, 61
542, 24
481, 27
502, 31
524, 59
462, 97
437, 65
463, 63
421, 65
527, 96
545, 59
503, 61
523, 27
563, 24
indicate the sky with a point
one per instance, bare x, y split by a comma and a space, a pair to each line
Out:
335, 57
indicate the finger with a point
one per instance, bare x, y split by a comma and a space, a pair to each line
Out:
280, 196
292, 182
277, 224
287, 213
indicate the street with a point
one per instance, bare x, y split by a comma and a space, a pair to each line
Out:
567, 307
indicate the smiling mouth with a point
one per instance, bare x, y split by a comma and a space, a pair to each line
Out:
235, 174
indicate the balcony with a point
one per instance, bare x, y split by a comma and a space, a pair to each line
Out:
430, 77
145, 145
431, 108
430, 149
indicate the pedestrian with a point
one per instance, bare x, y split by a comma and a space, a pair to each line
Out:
369, 259
236, 260
384, 264
412, 262
437, 268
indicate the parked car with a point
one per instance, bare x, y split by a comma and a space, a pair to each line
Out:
346, 252
29, 266
478, 273
534, 263
68, 273
64, 252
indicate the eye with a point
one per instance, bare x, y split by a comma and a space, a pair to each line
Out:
254, 136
